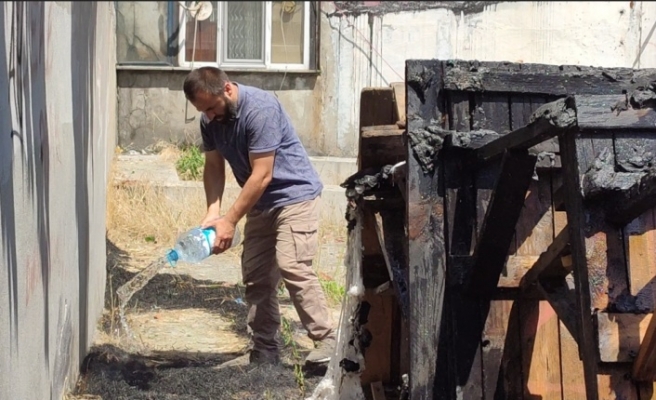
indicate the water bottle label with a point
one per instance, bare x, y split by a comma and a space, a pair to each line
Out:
210, 235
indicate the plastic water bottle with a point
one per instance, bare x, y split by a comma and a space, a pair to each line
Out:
195, 245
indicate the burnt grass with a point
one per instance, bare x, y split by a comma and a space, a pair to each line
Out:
112, 372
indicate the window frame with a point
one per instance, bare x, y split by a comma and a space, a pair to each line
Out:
266, 64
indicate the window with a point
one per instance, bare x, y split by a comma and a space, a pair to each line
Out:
143, 29
272, 35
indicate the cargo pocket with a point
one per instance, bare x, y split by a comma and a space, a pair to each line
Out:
306, 240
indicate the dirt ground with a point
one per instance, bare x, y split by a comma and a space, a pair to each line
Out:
184, 328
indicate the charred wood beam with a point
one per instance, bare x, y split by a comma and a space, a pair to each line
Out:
548, 121
630, 204
549, 263
500, 220
576, 221
426, 255
612, 112
390, 232
626, 195
556, 80
472, 140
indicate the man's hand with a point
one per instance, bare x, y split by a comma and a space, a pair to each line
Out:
225, 231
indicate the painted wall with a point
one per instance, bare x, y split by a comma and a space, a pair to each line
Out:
366, 44
58, 118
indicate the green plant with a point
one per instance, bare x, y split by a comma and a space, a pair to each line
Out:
190, 164
334, 291
288, 340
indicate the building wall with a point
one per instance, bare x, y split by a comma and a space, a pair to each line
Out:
58, 117
366, 44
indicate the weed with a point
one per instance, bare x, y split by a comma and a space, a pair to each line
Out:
288, 341
334, 291
190, 163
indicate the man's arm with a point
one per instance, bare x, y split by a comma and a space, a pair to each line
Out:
213, 182
261, 175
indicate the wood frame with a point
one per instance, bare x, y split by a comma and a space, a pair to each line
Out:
427, 255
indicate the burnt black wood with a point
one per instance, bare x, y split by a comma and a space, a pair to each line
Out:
629, 205
478, 76
426, 246
498, 227
634, 152
608, 112
576, 220
522, 138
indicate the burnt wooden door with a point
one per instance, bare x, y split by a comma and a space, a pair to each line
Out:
493, 338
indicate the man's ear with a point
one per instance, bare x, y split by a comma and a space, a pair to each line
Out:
227, 89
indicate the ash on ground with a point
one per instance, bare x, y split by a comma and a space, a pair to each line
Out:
112, 372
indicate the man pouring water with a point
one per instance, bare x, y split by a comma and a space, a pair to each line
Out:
280, 193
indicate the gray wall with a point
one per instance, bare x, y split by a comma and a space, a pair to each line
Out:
58, 118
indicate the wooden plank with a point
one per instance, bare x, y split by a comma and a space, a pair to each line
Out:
542, 78
381, 147
460, 192
500, 220
468, 315
539, 338
644, 367
640, 243
534, 230
376, 108
552, 120
399, 100
601, 112
550, 259
377, 357
577, 222
563, 300
389, 229
502, 358
522, 107
620, 335
446, 378
615, 383
381, 130
489, 111
571, 365
425, 219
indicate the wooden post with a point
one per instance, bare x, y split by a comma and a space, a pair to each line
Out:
425, 219
576, 222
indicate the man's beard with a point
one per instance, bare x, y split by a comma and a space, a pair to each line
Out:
230, 111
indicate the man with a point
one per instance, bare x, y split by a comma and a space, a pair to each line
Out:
279, 196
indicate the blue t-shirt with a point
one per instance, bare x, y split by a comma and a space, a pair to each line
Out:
261, 125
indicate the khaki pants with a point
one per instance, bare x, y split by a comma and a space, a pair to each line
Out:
281, 243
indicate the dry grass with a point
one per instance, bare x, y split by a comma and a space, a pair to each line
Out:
144, 219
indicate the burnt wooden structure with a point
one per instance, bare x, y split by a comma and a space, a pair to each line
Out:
509, 232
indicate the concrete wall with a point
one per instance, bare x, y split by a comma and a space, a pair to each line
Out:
58, 118
367, 43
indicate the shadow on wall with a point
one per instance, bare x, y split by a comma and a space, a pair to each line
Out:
24, 118
83, 15
25, 185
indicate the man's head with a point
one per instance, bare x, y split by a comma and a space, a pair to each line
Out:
210, 91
